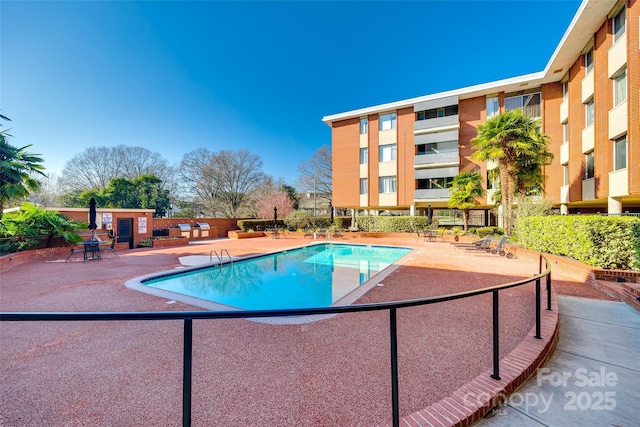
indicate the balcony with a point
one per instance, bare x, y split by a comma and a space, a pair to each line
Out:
564, 194
617, 56
589, 189
619, 183
439, 193
588, 139
434, 158
435, 125
618, 120
564, 111
587, 87
564, 153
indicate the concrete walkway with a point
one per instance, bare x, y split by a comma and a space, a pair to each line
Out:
593, 377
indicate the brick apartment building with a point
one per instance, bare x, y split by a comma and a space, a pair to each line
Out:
402, 156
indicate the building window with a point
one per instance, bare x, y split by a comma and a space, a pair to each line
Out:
434, 183
588, 165
364, 185
588, 60
387, 184
565, 91
493, 107
565, 133
529, 103
434, 113
620, 88
565, 174
619, 24
388, 121
620, 153
589, 112
364, 156
388, 153
364, 126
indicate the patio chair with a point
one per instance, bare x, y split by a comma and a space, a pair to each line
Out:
111, 248
75, 249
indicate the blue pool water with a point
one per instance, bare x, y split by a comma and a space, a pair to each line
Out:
313, 276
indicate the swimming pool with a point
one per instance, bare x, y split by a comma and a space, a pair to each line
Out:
312, 276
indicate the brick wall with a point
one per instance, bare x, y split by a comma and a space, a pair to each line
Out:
603, 88
551, 99
471, 112
406, 157
345, 152
576, 125
374, 155
630, 295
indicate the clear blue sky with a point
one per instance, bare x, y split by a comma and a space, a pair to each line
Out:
175, 76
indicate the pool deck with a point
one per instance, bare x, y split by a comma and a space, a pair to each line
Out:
332, 372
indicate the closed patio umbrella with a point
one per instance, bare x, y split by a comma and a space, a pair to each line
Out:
92, 215
331, 213
275, 216
429, 215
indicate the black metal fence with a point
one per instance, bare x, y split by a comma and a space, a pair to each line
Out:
392, 307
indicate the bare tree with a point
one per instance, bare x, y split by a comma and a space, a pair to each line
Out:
49, 192
315, 174
95, 167
226, 183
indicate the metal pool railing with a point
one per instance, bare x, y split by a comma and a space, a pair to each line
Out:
393, 307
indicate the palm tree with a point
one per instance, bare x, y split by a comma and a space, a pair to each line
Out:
465, 188
17, 170
514, 140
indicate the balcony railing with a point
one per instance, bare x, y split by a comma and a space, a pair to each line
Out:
438, 193
434, 158
392, 307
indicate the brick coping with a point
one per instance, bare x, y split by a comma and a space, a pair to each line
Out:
472, 401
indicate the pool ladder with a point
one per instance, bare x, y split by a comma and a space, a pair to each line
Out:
219, 256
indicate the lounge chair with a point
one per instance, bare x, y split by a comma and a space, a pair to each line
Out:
501, 248
484, 244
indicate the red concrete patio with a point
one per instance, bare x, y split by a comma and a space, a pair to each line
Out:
333, 372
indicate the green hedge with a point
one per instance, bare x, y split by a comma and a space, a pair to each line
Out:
484, 231
294, 222
394, 224
601, 241
258, 224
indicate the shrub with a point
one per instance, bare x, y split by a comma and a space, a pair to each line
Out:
258, 224
600, 241
484, 231
394, 224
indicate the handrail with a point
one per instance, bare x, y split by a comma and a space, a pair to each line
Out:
189, 316
213, 251
223, 251
219, 256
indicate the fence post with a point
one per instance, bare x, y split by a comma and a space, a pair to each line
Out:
186, 373
549, 291
394, 368
496, 337
538, 307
